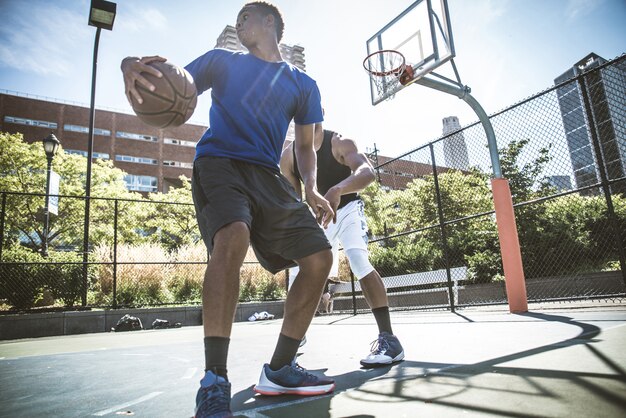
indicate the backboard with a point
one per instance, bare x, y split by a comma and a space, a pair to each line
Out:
422, 33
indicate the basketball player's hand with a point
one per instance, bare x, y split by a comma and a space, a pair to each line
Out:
333, 195
132, 67
321, 208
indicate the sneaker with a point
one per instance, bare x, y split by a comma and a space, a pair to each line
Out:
213, 398
292, 380
385, 350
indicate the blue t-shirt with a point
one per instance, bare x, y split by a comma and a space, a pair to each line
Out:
253, 102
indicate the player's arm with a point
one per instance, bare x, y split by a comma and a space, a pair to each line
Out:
346, 152
288, 169
307, 165
132, 67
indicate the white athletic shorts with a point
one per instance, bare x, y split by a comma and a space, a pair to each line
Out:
350, 231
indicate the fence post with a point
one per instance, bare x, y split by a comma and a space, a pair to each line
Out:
604, 180
353, 294
115, 256
4, 205
444, 239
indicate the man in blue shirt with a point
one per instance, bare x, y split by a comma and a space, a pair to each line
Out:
241, 198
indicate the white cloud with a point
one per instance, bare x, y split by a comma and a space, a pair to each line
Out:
137, 19
40, 38
580, 8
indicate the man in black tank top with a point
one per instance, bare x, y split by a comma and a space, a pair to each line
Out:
342, 172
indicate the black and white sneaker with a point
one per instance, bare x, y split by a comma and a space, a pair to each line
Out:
385, 350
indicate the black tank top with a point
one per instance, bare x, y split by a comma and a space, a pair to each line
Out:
329, 171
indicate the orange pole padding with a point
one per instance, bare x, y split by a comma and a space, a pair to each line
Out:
509, 246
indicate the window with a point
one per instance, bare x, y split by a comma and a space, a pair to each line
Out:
141, 183
101, 155
139, 137
177, 164
85, 129
179, 142
30, 122
138, 160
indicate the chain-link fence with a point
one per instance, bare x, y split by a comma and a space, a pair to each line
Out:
563, 151
432, 228
140, 253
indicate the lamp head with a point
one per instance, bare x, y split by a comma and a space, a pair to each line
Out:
51, 145
102, 14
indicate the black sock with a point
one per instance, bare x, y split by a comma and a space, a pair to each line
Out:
216, 354
285, 352
382, 319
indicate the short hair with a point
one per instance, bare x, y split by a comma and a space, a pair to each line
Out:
270, 9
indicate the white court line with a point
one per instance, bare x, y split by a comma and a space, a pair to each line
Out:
189, 373
127, 404
184, 360
135, 354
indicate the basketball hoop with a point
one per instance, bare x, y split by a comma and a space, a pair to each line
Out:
387, 69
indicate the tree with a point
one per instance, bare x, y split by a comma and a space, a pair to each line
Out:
173, 217
23, 170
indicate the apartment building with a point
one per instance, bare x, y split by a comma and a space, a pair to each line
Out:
153, 158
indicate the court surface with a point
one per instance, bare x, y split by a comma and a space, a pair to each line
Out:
555, 361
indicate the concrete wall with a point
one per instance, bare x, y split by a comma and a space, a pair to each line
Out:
82, 322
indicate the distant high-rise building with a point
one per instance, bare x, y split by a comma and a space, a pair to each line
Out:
560, 183
454, 147
605, 90
293, 54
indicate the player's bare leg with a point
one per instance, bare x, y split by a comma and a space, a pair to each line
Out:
220, 292
282, 375
304, 296
374, 290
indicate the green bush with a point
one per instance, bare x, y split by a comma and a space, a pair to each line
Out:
247, 289
484, 267
65, 281
256, 283
21, 285
185, 288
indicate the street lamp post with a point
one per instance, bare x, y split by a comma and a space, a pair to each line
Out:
102, 16
50, 146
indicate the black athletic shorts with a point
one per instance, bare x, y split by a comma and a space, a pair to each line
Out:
282, 228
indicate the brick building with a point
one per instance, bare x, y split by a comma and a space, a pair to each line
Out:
153, 158
396, 174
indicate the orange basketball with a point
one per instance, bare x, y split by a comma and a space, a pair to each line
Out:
173, 100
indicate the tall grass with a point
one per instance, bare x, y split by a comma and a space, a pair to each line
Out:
149, 275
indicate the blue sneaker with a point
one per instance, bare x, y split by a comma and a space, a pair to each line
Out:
385, 350
292, 380
213, 398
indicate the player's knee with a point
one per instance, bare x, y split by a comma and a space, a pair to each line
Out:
317, 265
359, 262
234, 233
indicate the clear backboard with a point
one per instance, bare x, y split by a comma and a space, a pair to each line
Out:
422, 34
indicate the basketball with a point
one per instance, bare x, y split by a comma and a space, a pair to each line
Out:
173, 100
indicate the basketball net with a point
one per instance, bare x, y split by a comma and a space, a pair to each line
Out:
386, 69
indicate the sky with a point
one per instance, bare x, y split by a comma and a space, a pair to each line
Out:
506, 51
